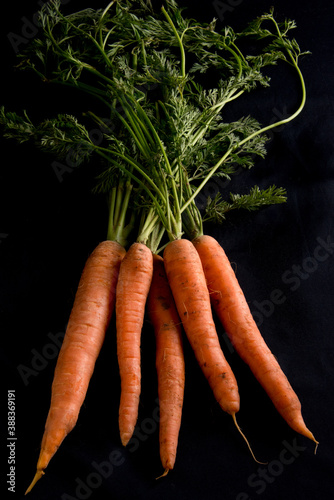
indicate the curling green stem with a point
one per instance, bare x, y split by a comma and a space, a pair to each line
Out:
254, 134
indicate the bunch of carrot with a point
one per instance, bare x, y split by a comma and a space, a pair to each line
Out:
151, 174
177, 289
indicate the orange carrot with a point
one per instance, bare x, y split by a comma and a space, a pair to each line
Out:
133, 285
169, 362
188, 284
85, 333
187, 281
233, 311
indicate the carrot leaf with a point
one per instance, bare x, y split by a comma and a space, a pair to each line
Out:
217, 208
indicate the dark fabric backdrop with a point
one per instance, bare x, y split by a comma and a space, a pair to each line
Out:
284, 259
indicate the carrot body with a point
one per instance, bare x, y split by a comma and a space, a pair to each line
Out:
133, 285
187, 281
169, 361
85, 333
233, 311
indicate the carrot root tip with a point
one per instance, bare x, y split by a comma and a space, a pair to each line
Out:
125, 438
246, 440
164, 473
38, 475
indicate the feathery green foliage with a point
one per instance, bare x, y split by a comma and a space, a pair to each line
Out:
168, 135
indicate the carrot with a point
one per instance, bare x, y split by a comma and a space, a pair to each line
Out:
133, 285
188, 284
85, 333
169, 362
233, 311
187, 281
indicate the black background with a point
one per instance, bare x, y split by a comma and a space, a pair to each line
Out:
48, 228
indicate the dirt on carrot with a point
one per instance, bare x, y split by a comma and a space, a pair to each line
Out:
187, 281
233, 311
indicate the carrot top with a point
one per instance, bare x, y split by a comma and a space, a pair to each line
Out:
163, 136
